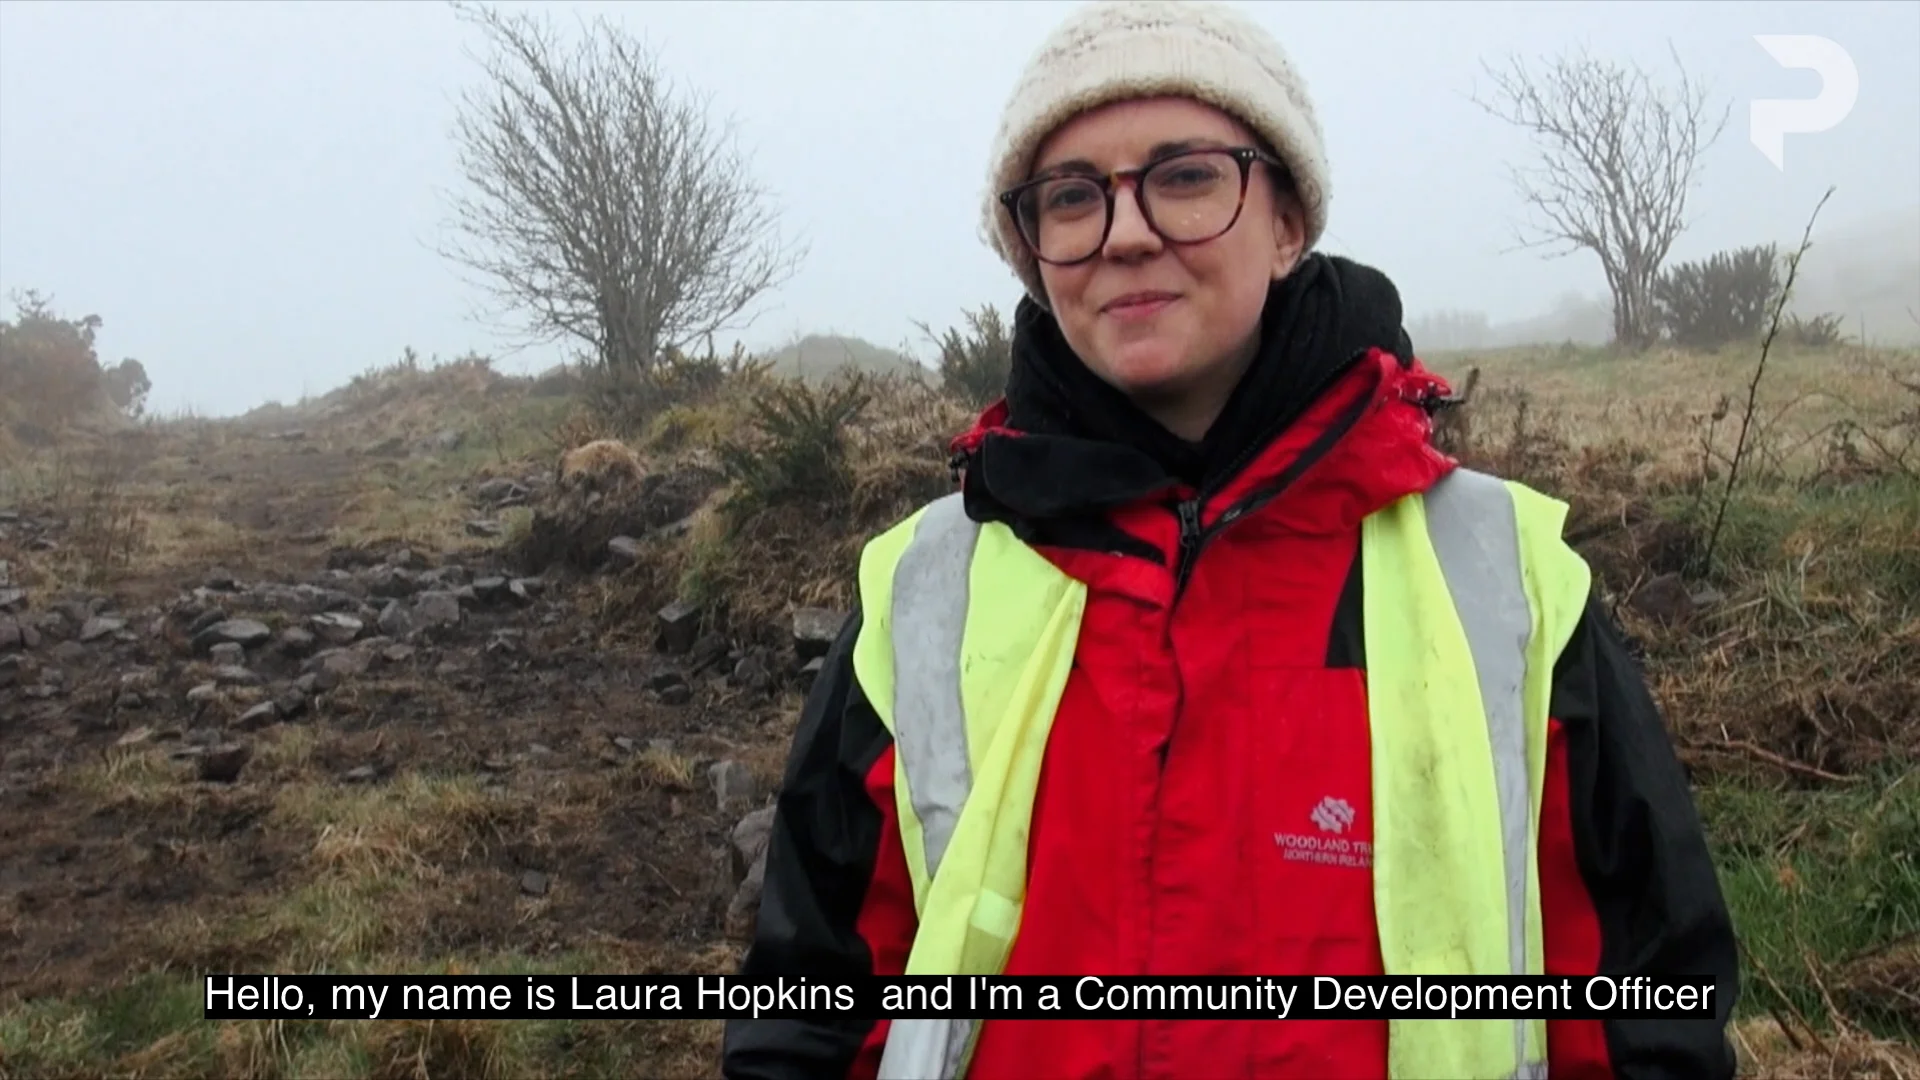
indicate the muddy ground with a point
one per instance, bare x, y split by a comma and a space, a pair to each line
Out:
155, 730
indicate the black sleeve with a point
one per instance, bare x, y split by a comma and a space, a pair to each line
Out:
820, 858
1643, 854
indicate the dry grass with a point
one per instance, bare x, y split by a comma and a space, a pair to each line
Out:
88, 482
390, 510
662, 765
398, 826
1772, 1051
1664, 402
140, 776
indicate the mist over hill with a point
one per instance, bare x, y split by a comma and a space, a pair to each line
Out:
817, 357
1867, 271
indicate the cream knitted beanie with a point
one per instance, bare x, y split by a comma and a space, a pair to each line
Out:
1111, 50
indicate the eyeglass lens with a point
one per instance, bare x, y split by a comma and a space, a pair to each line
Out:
1187, 199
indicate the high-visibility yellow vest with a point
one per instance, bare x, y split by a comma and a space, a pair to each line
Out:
968, 636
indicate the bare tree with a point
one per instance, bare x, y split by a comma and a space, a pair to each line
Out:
603, 204
1618, 158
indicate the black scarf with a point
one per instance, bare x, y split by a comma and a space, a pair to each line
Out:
1317, 322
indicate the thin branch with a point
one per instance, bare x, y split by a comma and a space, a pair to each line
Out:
1753, 384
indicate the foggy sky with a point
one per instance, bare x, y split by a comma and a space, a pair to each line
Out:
247, 193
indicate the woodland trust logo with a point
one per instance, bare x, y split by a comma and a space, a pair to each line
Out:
1328, 847
1771, 120
1333, 815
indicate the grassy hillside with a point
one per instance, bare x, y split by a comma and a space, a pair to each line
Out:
512, 755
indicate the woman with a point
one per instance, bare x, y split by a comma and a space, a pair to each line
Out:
1177, 684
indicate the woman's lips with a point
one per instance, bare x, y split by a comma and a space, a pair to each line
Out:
1136, 306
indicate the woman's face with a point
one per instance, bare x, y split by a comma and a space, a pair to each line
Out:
1171, 325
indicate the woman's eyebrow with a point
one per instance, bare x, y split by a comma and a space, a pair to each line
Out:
1160, 150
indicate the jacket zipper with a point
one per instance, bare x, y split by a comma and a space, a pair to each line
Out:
1193, 536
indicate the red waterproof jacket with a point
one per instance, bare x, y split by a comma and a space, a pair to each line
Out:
1217, 698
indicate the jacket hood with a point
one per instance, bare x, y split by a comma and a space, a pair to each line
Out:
1334, 409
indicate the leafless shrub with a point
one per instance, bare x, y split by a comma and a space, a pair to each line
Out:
1618, 158
603, 204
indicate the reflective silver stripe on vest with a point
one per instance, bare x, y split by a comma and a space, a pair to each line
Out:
930, 594
1475, 534
1474, 531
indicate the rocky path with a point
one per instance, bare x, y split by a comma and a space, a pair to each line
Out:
181, 753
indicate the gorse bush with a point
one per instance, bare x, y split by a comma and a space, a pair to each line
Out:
687, 376
626, 399
1720, 300
50, 373
796, 449
1813, 332
974, 362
